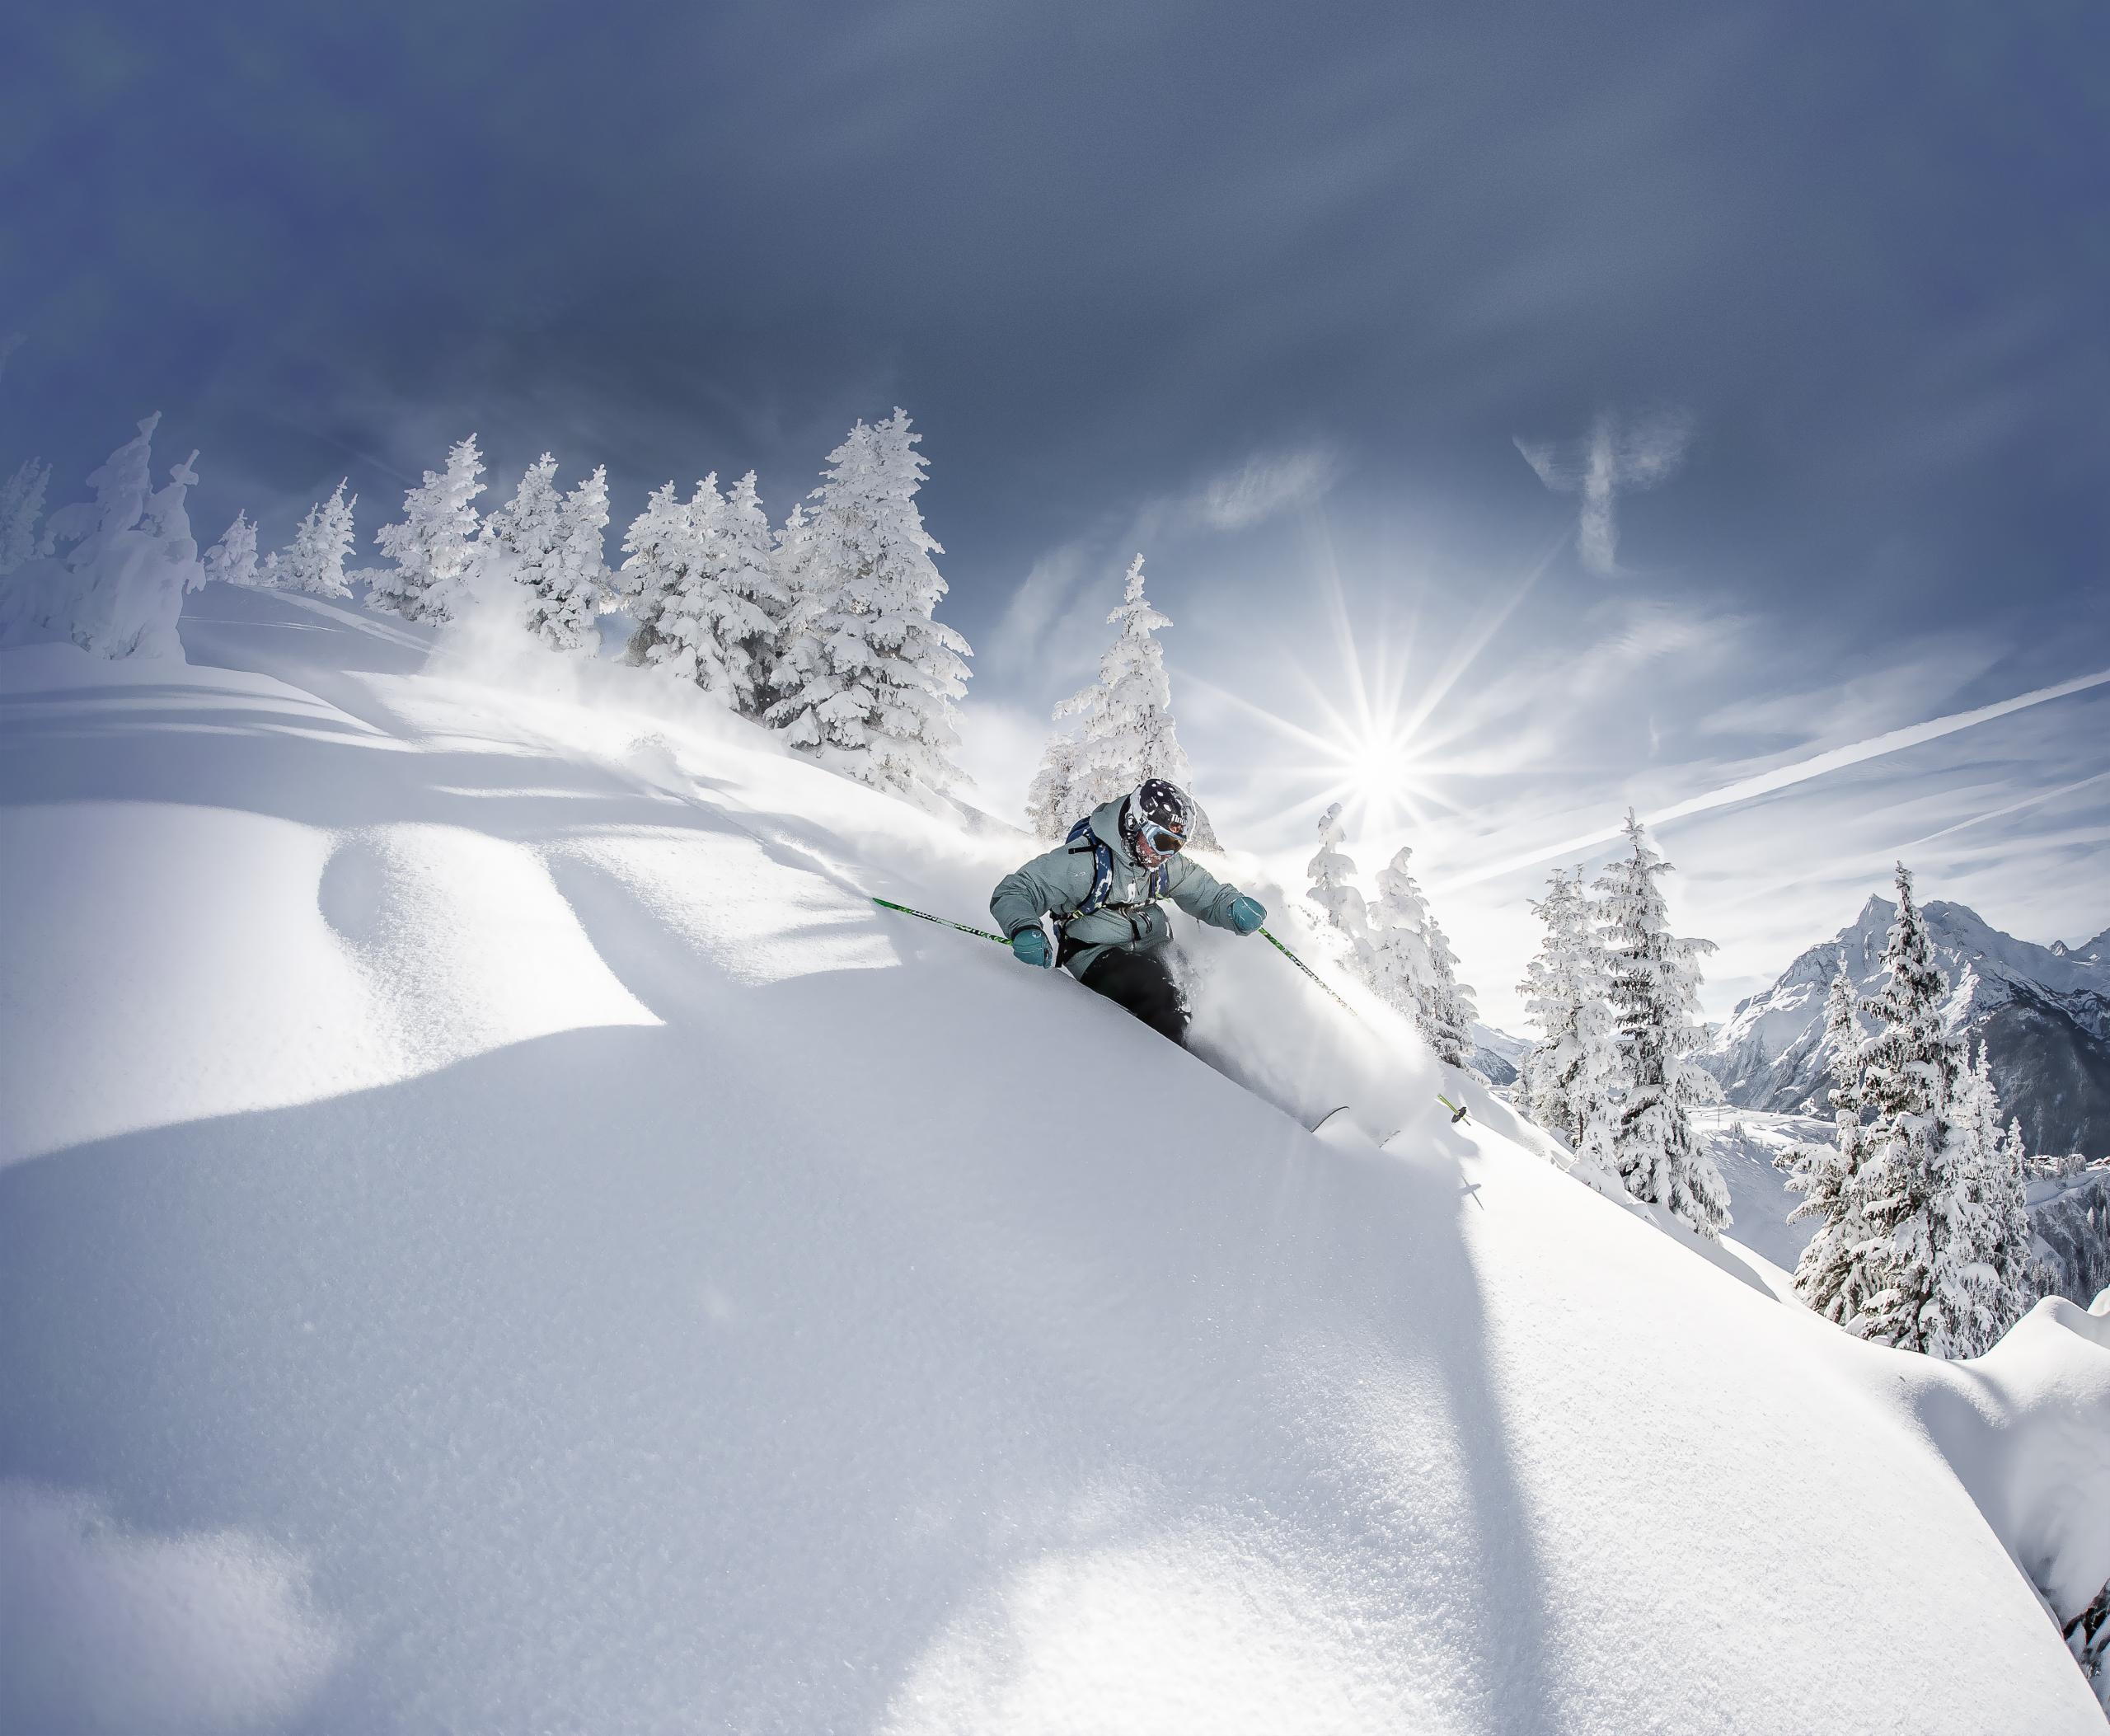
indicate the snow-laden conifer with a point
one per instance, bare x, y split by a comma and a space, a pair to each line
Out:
167, 519
22, 504
749, 604
233, 560
122, 483
117, 591
796, 651
1836, 1272
525, 528
2015, 1243
435, 541
1333, 890
706, 593
1567, 1078
1914, 1184
549, 546
1051, 805
1655, 997
570, 582
1989, 1220
869, 674
1413, 968
661, 556
314, 561
1127, 731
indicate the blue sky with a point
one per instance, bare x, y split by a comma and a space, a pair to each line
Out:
1330, 311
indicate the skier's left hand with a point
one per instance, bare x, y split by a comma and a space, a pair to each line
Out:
1247, 914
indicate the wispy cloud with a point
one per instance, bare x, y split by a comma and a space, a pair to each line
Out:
1796, 771
1041, 596
1054, 604
1263, 487
1615, 455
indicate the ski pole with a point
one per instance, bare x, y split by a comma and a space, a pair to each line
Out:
1310, 973
942, 921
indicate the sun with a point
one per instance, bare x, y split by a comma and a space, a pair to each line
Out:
1380, 732
1374, 773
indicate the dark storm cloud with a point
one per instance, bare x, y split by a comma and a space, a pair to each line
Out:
1102, 252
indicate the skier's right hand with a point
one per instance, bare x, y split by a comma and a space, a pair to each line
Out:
1030, 946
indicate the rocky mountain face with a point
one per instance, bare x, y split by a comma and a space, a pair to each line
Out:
1496, 1054
2043, 1012
2070, 1214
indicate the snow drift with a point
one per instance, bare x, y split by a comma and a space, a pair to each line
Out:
482, 1172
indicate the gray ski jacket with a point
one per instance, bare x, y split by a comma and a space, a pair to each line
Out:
1059, 881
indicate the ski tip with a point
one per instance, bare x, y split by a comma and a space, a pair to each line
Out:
1341, 1109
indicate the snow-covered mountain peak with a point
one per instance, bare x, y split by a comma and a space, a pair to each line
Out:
2043, 1011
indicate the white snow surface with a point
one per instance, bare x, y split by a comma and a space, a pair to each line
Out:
500, 1231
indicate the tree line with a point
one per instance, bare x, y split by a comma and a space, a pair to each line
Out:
824, 626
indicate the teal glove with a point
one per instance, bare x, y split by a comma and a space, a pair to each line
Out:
1030, 946
1247, 914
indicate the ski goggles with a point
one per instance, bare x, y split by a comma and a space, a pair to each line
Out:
1160, 840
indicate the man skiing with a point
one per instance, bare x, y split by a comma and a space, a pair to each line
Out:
1102, 885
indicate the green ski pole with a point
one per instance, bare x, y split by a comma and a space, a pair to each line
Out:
1310, 973
942, 921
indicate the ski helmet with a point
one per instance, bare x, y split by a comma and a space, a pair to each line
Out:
1155, 814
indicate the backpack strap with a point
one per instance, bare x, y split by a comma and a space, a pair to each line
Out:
1083, 840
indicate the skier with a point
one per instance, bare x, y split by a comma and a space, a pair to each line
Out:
1102, 885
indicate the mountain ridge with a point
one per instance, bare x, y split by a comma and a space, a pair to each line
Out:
2043, 1012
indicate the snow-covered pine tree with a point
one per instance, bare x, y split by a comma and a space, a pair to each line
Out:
1990, 1221
549, 545
570, 582
1128, 734
1835, 1274
1412, 967
233, 560
436, 539
119, 591
869, 674
797, 654
1567, 1076
707, 594
167, 520
1332, 889
314, 561
661, 547
22, 504
1051, 809
2015, 1242
526, 524
123, 483
750, 603
1655, 996
1914, 1182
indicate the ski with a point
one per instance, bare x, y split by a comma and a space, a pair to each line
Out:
1342, 1110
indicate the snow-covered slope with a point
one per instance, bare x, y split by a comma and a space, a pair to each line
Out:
2044, 1013
498, 1233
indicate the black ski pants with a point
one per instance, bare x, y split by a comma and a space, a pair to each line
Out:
1143, 983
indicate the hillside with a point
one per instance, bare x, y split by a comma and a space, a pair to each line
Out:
497, 1232
2043, 1013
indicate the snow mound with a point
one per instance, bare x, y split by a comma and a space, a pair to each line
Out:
478, 1156
2026, 1428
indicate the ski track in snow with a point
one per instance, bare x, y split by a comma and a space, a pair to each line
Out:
490, 1201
